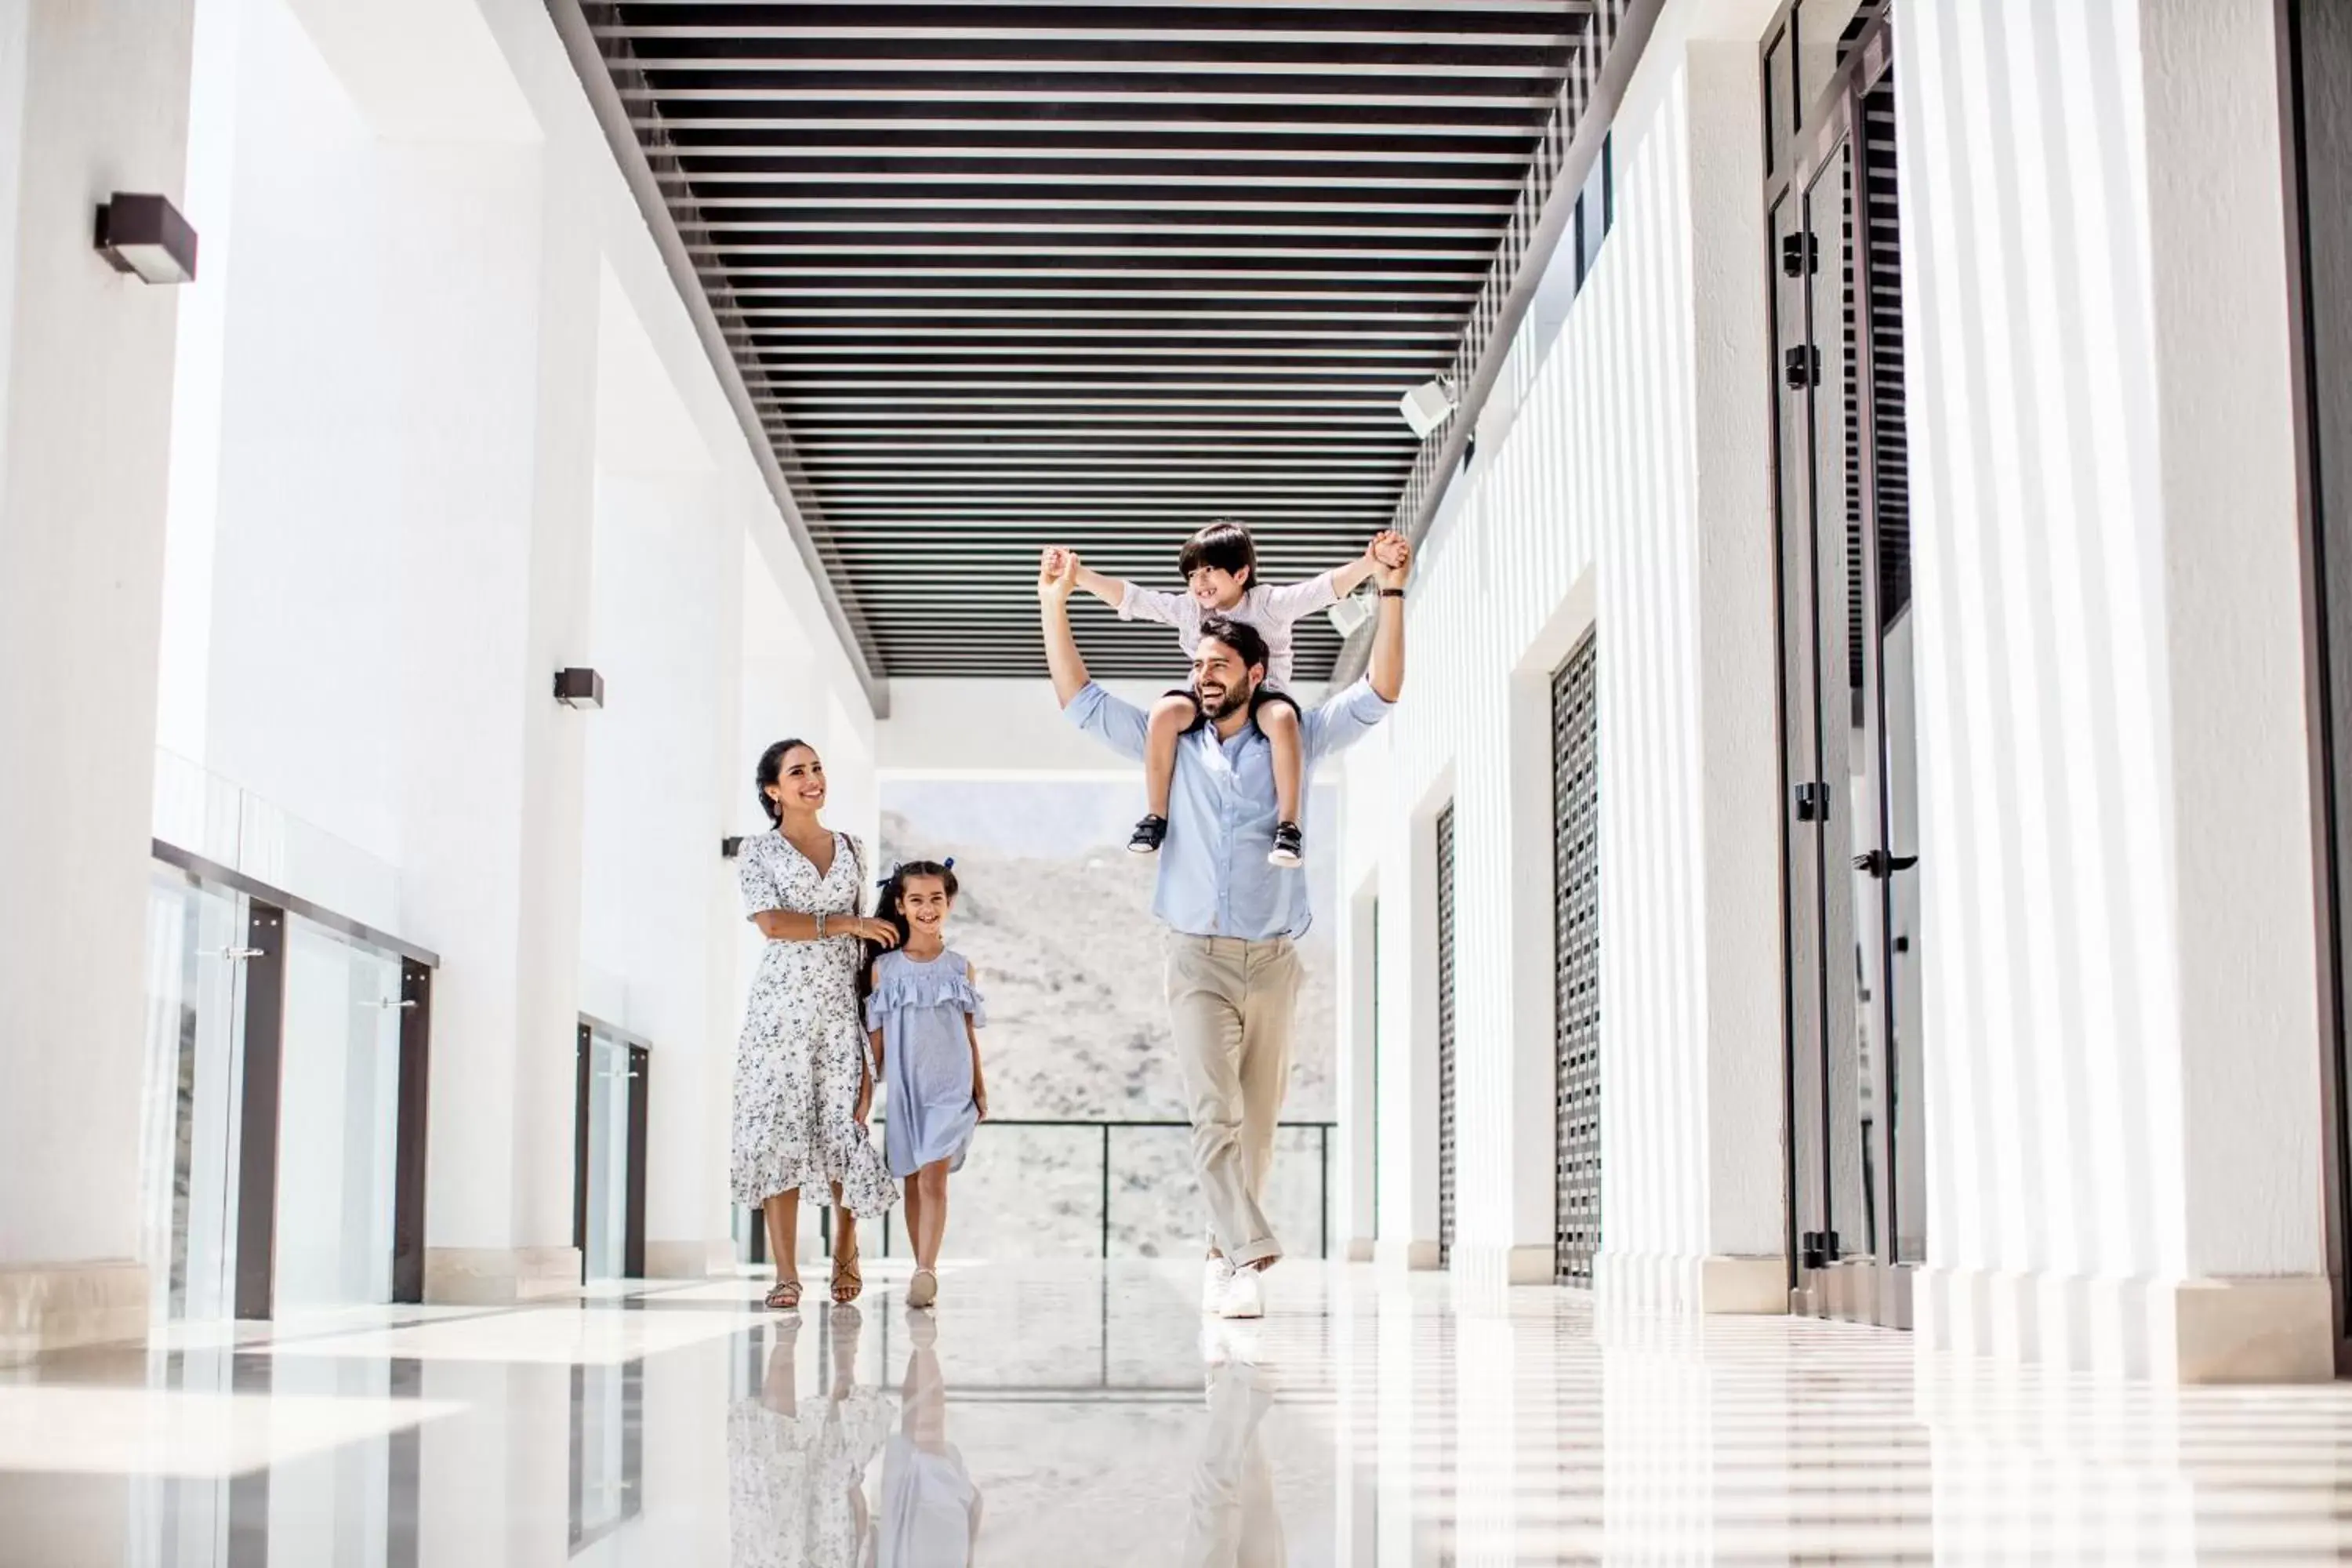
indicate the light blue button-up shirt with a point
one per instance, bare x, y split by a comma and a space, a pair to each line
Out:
1213, 878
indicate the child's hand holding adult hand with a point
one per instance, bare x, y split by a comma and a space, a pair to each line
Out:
1057, 575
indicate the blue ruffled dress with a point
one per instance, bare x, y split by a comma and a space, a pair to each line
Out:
920, 1006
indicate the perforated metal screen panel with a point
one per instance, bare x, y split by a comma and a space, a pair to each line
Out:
1446, 1131
1576, 964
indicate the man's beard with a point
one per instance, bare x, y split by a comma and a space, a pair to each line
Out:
1234, 698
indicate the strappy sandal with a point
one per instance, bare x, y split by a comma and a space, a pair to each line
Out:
923, 1290
784, 1296
848, 1283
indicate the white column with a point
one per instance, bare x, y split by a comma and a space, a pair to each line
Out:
2241, 819
93, 100
1357, 1019
500, 1208
657, 900
1743, 1238
1406, 1234
2122, 1040
722, 950
1693, 1177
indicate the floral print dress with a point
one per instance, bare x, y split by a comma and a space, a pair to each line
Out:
801, 1057
790, 1481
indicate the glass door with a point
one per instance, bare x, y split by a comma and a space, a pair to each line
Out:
338, 1120
1857, 1178
608, 1201
188, 1168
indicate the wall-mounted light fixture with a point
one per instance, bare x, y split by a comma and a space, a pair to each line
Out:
146, 236
730, 847
1426, 405
1347, 613
579, 689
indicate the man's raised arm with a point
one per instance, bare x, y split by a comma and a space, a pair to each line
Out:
1116, 724
1394, 558
1057, 576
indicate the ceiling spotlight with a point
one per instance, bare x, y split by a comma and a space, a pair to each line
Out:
1426, 405
147, 236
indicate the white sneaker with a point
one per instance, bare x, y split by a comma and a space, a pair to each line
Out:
1244, 1295
1215, 1275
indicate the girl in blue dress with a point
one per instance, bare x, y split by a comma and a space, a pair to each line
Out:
924, 1014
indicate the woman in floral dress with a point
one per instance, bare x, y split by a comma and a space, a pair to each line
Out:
803, 1080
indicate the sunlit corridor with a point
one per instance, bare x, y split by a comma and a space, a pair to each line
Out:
1230, 782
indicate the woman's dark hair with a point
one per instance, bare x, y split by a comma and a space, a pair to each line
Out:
893, 886
1239, 635
1224, 544
772, 772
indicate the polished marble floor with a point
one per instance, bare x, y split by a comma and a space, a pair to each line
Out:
1074, 1414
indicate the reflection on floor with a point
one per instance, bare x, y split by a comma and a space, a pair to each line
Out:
1069, 1414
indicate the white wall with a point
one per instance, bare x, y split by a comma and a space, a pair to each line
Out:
445, 370
378, 541
92, 100
1632, 494
656, 897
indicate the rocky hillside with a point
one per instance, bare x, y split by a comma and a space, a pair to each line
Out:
1070, 959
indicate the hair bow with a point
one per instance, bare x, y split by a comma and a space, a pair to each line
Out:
949, 863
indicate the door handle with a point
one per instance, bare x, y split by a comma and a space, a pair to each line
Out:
1879, 863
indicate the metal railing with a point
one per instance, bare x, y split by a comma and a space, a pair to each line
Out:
1105, 1169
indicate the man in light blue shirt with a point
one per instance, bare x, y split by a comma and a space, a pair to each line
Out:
1232, 973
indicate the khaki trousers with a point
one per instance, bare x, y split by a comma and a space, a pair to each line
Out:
1230, 1002
1235, 1523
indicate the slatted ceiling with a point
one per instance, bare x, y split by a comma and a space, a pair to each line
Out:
1000, 276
